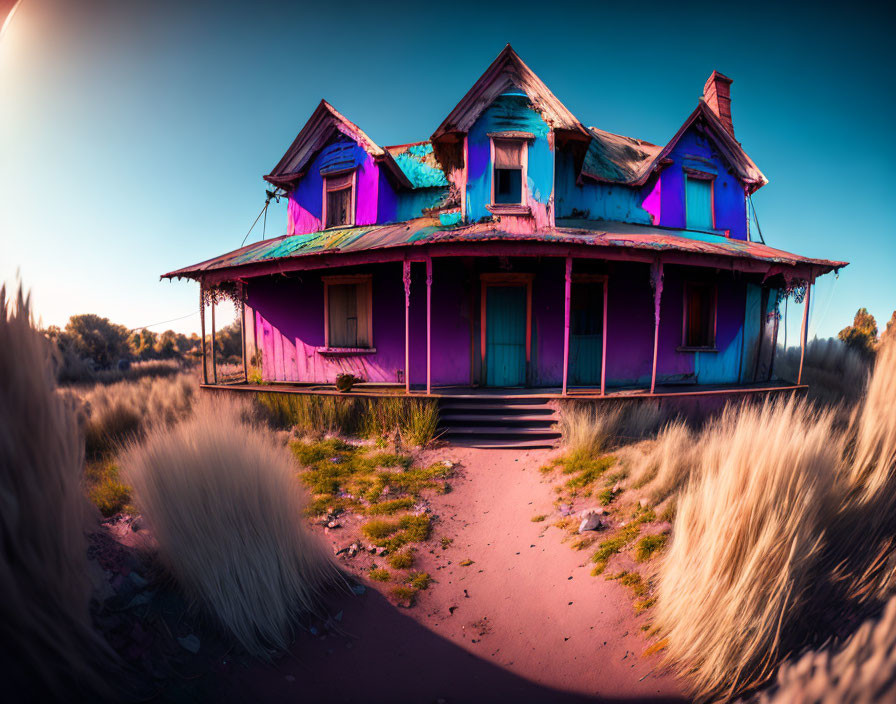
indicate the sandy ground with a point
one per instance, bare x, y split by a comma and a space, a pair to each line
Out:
526, 622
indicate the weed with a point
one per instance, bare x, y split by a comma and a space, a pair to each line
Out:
445, 541
465, 563
380, 575
404, 593
649, 545
419, 580
391, 506
401, 560
539, 518
631, 580
378, 530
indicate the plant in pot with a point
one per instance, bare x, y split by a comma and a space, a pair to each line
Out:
345, 382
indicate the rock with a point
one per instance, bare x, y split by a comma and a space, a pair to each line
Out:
381, 551
617, 487
138, 581
139, 600
190, 643
353, 549
591, 522
565, 510
138, 524
643, 503
597, 510
333, 524
358, 589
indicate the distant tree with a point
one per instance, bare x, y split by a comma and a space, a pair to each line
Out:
229, 340
862, 334
143, 343
166, 345
93, 337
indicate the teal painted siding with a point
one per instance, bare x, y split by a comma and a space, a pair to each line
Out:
698, 192
505, 344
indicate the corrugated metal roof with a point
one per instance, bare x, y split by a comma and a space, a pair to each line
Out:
428, 231
616, 158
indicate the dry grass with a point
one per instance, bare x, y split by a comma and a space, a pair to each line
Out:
863, 671
747, 536
787, 519
48, 648
222, 500
591, 428
415, 420
115, 413
663, 465
834, 373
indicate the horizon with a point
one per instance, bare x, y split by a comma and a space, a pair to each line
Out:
171, 118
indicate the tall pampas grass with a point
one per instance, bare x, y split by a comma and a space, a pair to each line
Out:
587, 429
663, 465
862, 671
48, 648
222, 499
746, 540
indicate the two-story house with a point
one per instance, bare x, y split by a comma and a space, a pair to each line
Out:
516, 248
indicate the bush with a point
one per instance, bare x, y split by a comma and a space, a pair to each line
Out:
48, 648
223, 502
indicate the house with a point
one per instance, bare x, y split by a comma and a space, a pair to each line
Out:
516, 247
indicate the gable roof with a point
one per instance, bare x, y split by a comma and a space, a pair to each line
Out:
618, 159
508, 71
324, 122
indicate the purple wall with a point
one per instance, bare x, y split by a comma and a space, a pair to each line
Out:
289, 315
695, 151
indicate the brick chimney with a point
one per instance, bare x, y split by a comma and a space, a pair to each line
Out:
717, 94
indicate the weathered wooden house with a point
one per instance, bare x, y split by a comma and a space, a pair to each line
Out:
517, 248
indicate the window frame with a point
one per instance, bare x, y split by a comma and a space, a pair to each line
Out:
353, 186
523, 139
356, 279
700, 176
713, 289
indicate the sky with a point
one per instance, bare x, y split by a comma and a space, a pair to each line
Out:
133, 135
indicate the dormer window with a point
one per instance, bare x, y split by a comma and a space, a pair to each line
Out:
699, 201
509, 162
339, 199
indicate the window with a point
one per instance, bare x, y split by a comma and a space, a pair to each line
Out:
339, 200
699, 205
699, 327
509, 171
348, 304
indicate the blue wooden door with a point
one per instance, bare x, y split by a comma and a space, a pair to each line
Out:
586, 327
505, 336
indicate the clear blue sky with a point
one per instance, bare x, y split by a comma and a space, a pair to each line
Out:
133, 135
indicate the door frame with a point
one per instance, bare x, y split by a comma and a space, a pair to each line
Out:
605, 280
487, 280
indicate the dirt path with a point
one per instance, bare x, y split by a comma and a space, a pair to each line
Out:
526, 622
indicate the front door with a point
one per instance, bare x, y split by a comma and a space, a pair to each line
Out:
505, 346
586, 327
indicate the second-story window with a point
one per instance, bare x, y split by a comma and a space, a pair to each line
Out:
339, 200
509, 175
699, 202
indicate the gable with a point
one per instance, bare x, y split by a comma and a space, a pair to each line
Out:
324, 124
507, 73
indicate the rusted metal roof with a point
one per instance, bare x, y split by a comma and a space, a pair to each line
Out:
427, 231
618, 159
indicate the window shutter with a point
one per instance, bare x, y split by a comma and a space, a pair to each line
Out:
508, 154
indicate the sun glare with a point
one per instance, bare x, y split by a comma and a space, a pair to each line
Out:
9, 18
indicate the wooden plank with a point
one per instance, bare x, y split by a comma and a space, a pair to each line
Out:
566, 305
202, 322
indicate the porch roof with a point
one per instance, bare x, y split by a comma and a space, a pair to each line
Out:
384, 242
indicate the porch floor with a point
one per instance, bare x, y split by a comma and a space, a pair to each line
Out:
553, 392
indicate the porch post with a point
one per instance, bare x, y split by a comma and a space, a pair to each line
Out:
566, 303
243, 332
603, 354
804, 333
214, 361
428, 325
656, 280
406, 278
202, 323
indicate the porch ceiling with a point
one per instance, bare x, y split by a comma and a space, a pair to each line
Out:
425, 236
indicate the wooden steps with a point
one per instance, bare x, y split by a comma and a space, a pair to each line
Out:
492, 422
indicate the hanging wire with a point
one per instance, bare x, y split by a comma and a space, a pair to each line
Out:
269, 196
263, 211
756, 218
183, 317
